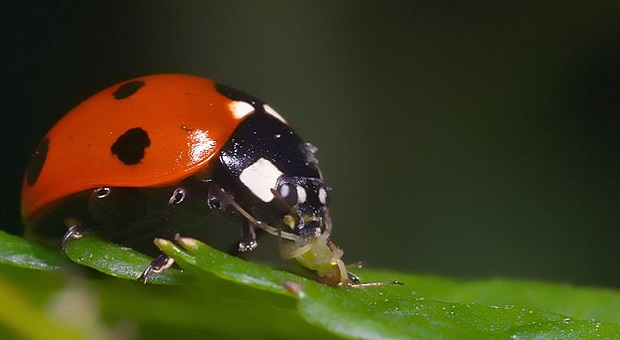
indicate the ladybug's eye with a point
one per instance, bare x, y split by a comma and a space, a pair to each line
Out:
288, 193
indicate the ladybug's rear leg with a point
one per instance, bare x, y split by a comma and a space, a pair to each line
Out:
76, 228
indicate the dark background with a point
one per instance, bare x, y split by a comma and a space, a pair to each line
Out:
473, 139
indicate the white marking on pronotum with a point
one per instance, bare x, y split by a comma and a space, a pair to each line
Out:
273, 112
301, 194
260, 178
322, 196
240, 109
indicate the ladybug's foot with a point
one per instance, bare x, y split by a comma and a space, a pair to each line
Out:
248, 238
76, 230
160, 263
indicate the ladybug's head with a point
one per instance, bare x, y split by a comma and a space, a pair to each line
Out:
304, 200
281, 184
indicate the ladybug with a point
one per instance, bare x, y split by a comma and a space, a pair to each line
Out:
124, 161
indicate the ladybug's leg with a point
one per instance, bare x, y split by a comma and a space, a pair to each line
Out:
76, 229
221, 200
164, 261
248, 237
159, 264
179, 195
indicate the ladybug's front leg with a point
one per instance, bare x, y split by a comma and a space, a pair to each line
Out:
220, 200
248, 237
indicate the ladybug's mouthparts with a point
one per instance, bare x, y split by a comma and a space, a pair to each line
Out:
311, 229
307, 226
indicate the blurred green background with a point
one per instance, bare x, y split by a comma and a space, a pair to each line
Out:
468, 139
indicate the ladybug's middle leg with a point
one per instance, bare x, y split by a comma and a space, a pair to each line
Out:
160, 263
163, 261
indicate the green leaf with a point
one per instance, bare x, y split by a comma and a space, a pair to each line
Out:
226, 297
114, 260
391, 311
23, 253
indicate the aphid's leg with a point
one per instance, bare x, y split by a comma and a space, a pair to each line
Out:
345, 278
349, 279
374, 284
76, 229
357, 265
289, 253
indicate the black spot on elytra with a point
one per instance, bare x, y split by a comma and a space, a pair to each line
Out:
36, 162
129, 148
128, 89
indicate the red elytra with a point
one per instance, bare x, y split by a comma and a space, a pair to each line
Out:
186, 119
